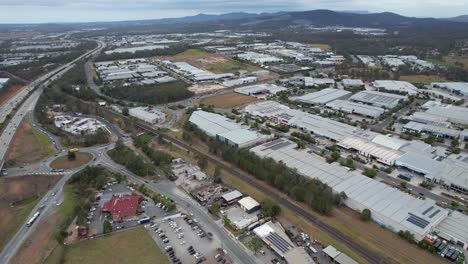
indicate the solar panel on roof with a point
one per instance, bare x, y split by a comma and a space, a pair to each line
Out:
279, 242
434, 214
418, 221
427, 210
279, 146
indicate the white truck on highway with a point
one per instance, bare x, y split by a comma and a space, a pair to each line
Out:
32, 219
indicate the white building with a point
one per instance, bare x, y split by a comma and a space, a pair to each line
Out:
148, 114
77, 125
258, 89
352, 83
240, 81
323, 97
258, 58
454, 87
397, 86
355, 108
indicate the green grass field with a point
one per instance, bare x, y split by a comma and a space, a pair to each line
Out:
191, 53
63, 162
230, 66
131, 246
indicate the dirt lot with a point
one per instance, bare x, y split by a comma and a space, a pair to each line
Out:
211, 62
29, 146
6, 94
130, 246
425, 79
228, 100
64, 163
24, 191
321, 46
460, 59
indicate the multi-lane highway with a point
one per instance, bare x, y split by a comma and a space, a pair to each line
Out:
30, 102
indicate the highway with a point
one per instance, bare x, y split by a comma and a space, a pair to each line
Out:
9, 132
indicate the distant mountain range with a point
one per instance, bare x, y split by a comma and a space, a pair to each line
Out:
463, 18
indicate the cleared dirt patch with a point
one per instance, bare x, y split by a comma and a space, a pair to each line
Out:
29, 146
228, 100
63, 162
213, 62
425, 79
9, 92
321, 46
130, 246
24, 192
457, 60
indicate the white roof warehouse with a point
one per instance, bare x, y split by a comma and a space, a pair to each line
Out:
226, 130
390, 207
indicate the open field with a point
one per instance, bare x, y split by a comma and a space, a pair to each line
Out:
228, 100
457, 59
130, 246
29, 145
9, 92
24, 192
419, 78
211, 62
321, 46
63, 162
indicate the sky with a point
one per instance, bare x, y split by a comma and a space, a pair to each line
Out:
42, 11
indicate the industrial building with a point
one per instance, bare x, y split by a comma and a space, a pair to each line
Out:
352, 83
259, 89
133, 70
148, 114
232, 197
337, 256
371, 150
258, 58
355, 108
454, 228
437, 131
77, 125
225, 130
454, 87
396, 86
452, 113
195, 74
249, 205
274, 235
135, 49
265, 108
240, 81
323, 97
390, 207
378, 99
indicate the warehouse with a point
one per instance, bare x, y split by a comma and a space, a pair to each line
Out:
265, 108
355, 108
426, 118
318, 82
437, 131
352, 83
195, 74
258, 58
249, 205
226, 130
396, 86
273, 235
241, 81
371, 150
454, 114
323, 97
378, 99
259, 89
390, 207
454, 228
454, 87
231, 197
148, 114
135, 49
337, 256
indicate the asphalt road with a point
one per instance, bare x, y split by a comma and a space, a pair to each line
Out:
29, 104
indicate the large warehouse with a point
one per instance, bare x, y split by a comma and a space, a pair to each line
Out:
454, 114
323, 97
148, 114
389, 206
454, 87
226, 130
258, 89
355, 108
379, 99
396, 86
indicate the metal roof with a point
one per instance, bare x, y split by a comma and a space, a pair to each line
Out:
455, 226
355, 108
376, 98
323, 96
232, 195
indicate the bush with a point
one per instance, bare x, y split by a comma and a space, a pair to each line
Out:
370, 173
106, 227
366, 215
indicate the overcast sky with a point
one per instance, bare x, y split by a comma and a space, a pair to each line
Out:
33, 11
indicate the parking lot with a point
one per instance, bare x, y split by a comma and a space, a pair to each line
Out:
182, 235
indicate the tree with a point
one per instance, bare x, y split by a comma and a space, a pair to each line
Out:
403, 184
370, 173
270, 208
366, 215
202, 162
217, 174
255, 244
71, 155
106, 227
335, 155
226, 221
214, 208
125, 111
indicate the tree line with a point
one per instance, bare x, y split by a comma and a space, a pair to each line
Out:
128, 158
172, 50
313, 192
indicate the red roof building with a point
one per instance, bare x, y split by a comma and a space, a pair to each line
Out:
121, 207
